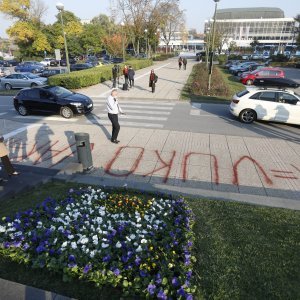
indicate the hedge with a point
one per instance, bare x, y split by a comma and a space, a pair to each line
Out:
161, 57
85, 78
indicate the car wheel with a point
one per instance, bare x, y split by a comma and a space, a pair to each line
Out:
249, 82
239, 74
247, 116
66, 112
7, 86
22, 110
33, 85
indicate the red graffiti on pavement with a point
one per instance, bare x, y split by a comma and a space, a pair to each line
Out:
215, 160
167, 165
135, 165
236, 175
287, 174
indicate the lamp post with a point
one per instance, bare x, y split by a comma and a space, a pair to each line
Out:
123, 42
60, 8
146, 32
156, 40
212, 47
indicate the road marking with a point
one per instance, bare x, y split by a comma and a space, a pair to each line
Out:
19, 130
98, 101
61, 119
126, 123
1, 114
148, 112
136, 117
148, 107
195, 112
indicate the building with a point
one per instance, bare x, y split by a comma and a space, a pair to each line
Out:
267, 25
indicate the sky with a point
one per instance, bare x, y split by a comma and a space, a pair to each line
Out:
197, 11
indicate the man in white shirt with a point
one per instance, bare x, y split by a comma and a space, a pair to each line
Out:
114, 109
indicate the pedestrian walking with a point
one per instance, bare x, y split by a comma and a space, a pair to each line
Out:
115, 75
180, 62
114, 110
153, 80
5, 159
184, 61
131, 74
125, 73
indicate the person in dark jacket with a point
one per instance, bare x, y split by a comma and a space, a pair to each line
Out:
180, 62
184, 61
125, 73
131, 74
152, 80
5, 159
115, 71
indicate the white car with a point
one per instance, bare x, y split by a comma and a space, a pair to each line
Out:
46, 61
271, 104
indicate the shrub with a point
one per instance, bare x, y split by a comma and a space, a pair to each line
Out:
161, 57
234, 57
222, 58
279, 58
85, 78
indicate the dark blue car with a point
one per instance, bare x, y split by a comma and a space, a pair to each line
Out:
30, 66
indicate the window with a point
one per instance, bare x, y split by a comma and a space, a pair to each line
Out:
263, 73
34, 94
287, 98
242, 93
267, 96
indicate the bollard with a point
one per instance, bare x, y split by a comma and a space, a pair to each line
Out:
84, 150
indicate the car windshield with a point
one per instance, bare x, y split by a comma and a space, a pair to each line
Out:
31, 76
60, 91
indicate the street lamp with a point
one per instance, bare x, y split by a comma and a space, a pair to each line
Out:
123, 46
146, 32
212, 47
60, 8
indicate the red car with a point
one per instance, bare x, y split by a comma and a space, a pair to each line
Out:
248, 79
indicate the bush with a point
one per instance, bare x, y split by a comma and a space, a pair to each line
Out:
1, 58
234, 57
222, 58
85, 78
161, 57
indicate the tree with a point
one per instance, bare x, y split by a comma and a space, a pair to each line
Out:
297, 29
114, 44
254, 43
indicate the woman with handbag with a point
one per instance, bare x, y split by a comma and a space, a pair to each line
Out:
152, 80
5, 159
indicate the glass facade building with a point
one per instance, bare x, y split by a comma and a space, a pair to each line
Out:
243, 25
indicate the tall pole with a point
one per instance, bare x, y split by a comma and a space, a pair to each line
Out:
60, 7
146, 32
212, 47
123, 42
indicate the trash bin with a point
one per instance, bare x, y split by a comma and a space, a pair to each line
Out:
84, 150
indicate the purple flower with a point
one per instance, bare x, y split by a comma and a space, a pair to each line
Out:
124, 258
161, 295
72, 264
87, 268
138, 261
25, 246
175, 281
72, 258
189, 274
6, 245
117, 272
181, 292
51, 252
151, 288
158, 279
143, 274
17, 244
40, 249
106, 258
189, 297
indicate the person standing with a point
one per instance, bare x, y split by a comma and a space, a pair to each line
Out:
184, 61
131, 74
152, 80
180, 62
125, 73
5, 159
115, 75
114, 109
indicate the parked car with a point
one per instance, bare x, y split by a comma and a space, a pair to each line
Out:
270, 104
52, 99
239, 69
8, 63
4, 71
231, 63
54, 63
32, 67
79, 67
51, 72
117, 60
46, 61
63, 62
15, 81
266, 72
253, 68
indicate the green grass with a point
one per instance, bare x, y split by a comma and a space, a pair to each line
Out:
233, 84
243, 251
9, 92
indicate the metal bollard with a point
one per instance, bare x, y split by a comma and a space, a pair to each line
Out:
84, 150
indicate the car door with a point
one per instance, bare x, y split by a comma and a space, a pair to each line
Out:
31, 99
48, 102
265, 105
23, 81
262, 74
288, 108
12, 80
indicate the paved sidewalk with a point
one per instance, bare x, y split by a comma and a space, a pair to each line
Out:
169, 85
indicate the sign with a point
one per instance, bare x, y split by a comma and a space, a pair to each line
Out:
57, 54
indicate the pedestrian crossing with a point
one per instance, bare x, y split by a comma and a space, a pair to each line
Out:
144, 114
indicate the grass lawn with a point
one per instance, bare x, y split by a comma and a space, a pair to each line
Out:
242, 251
232, 86
8, 93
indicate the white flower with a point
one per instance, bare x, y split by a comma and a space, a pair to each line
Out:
74, 245
128, 239
132, 236
104, 245
84, 240
139, 249
64, 244
70, 236
55, 240
2, 229
144, 241
118, 245
92, 254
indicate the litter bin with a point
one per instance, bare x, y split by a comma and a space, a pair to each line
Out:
84, 150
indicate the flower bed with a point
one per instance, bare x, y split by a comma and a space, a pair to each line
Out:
141, 246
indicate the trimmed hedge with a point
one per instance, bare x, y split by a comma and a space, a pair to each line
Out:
85, 78
161, 57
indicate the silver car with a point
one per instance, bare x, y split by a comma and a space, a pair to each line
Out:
22, 80
4, 71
